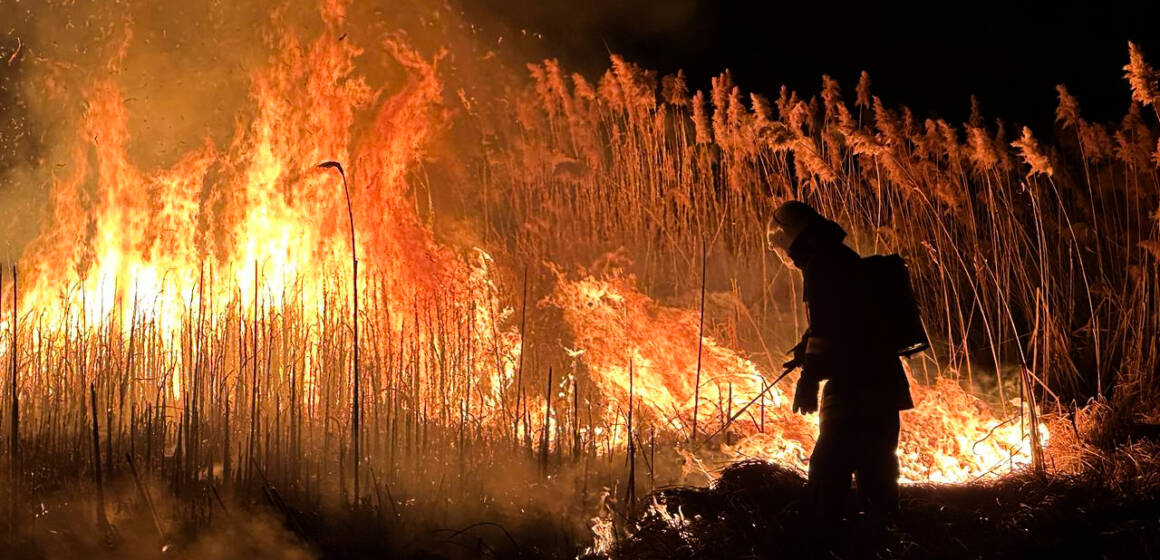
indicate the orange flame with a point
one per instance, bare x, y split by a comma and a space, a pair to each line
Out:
950, 436
255, 223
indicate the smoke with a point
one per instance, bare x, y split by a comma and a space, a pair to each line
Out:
583, 34
62, 524
18, 146
496, 505
181, 65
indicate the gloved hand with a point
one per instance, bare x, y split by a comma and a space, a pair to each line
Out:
805, 396
799, 353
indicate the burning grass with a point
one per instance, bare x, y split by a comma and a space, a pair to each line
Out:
528, 302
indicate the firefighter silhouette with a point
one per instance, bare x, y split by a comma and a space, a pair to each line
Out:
862, 317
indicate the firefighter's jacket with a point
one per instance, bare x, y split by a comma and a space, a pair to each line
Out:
861, 379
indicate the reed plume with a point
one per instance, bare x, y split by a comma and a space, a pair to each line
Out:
1032, 155
1144, 80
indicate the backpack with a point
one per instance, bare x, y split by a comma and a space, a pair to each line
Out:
892, 312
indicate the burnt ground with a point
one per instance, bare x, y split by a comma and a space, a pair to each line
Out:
759, 510
1108, 507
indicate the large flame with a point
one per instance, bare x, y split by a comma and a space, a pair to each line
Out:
256, 228
266, 216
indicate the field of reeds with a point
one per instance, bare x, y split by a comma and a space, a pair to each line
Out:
457, 405
1036, 261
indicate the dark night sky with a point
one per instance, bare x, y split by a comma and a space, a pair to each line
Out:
930, 56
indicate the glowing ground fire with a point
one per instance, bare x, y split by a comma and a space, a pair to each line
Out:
224, 279
949, 437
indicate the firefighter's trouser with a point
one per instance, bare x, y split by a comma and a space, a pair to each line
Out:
864, 446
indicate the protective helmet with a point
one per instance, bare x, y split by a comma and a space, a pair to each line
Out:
790, 219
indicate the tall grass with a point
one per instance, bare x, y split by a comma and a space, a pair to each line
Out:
1031, 258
